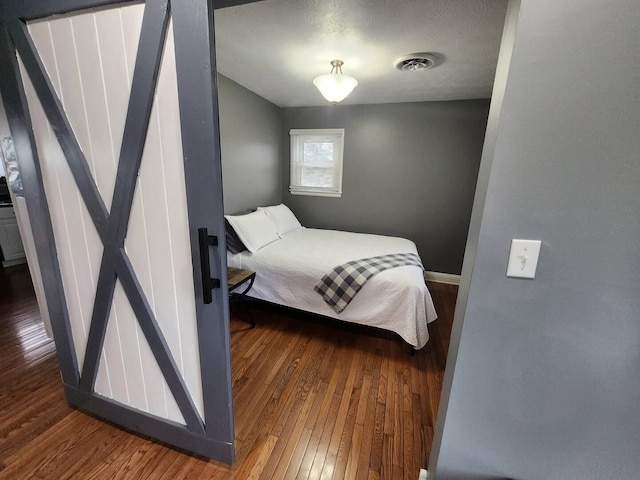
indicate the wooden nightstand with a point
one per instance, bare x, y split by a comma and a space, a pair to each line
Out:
235, 278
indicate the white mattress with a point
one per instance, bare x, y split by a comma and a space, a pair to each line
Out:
288, 269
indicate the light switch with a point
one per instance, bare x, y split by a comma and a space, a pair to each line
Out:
523, 258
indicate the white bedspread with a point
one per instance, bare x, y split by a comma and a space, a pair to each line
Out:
287, 270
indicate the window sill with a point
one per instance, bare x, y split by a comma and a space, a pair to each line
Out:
316, 193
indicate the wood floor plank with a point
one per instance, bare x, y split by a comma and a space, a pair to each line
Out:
112, 462
408, 448
356, 445
313, 399
263, 458
344, 449
318, 426
296, 458
378, 437
344, 405
322, 454
387, 457
368, 429
396, 432
302, 401
290, 440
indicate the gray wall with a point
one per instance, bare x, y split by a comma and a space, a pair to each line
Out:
410, 170
546, 381
250, 139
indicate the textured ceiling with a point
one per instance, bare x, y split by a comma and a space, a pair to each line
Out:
276, 48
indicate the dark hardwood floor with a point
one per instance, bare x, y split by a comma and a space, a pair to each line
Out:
313, 399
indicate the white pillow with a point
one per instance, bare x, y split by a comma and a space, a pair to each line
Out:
283, 218
254, 229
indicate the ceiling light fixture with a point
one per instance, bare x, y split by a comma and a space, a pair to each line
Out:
335, 86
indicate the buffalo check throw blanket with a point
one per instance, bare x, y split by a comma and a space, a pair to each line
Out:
340, 285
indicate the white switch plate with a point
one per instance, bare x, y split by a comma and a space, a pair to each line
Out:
523, 258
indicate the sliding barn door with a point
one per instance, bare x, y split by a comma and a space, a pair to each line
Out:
114, 118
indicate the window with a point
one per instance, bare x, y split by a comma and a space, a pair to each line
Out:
316, 162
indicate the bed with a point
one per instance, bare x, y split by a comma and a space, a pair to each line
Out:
290, 262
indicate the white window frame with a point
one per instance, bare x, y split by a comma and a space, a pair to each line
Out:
298, 137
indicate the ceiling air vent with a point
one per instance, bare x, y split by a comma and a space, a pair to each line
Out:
416, 61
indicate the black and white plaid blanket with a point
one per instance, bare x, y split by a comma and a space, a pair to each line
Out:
340, 285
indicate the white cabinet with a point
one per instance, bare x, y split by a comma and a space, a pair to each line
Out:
10, 240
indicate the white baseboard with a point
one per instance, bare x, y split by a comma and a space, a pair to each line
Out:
423, 474
11, 263
442, 277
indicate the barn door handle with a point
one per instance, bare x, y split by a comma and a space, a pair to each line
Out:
208, 283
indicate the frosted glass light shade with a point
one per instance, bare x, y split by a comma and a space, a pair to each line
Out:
335, 86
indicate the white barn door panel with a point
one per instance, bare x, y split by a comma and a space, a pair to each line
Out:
109, 152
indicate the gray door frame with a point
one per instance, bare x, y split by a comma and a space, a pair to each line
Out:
193, 27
